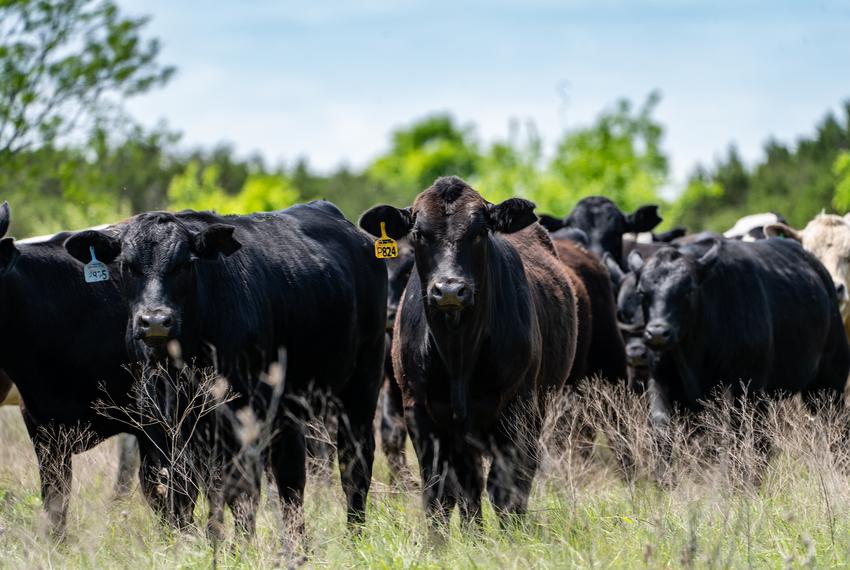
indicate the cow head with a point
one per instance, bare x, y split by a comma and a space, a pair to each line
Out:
157, 255
630, 318
668, 291
604, 224
449, 228
398, 271
827, 237
9, 253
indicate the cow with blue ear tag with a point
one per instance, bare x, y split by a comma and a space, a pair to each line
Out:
61, 342
237, 292
486, 327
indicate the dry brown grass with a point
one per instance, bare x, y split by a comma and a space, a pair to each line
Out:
712, 514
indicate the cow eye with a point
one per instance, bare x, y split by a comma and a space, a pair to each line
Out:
416, 235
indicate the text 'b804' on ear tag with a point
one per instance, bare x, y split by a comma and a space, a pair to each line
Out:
385, 247
95, 270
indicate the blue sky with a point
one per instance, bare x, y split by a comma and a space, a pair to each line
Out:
330, 79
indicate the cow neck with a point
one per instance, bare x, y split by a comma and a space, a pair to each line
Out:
460, 349
223, 308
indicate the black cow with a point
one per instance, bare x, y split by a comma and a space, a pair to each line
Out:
61, 340
303, 278
744, 318
629, 312
630, 318
393, 428
604, 224
486, 327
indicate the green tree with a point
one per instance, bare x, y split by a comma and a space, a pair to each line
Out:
59, 59
797, 181
514, 166
117, 170
199, 188
431, 147
841, 170
619, 156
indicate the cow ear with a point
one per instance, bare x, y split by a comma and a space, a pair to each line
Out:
643, 219
5, 218
708, 259
397, 221
511, 215
782, 231
635, 261
551, 223
215, 240
9, 254
576, 235
614, 270
106, 247
670, 235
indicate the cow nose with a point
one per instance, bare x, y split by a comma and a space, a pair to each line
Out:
841, 291
658, 334
637, 353
450, 294
155, 324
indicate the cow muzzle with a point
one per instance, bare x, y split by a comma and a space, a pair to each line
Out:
637, 354
450, 295
155, 326
658, 334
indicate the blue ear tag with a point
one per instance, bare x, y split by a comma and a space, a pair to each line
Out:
95, 270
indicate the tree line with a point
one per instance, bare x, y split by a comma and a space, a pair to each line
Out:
70, 156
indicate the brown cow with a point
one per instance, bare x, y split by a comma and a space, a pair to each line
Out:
599, 349
485, 329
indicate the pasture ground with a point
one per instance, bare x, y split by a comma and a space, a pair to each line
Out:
582, 514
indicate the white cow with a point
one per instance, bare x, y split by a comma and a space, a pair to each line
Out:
827, 237
750, 228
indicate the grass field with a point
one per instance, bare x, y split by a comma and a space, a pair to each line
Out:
582, 514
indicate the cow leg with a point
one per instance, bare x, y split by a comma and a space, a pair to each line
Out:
169, 485
128, 465
516, 452
393, 430
242, 492
433, 454
244, 507
288, 462
466, 462
319, 429
55, 472
355, 432
54, 469
215, 517
660, 414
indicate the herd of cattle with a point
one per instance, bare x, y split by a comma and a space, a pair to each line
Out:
483, 313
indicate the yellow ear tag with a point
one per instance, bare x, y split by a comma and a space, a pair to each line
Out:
386, 247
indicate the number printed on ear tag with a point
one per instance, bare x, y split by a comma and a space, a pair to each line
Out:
95, 270
385, 247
